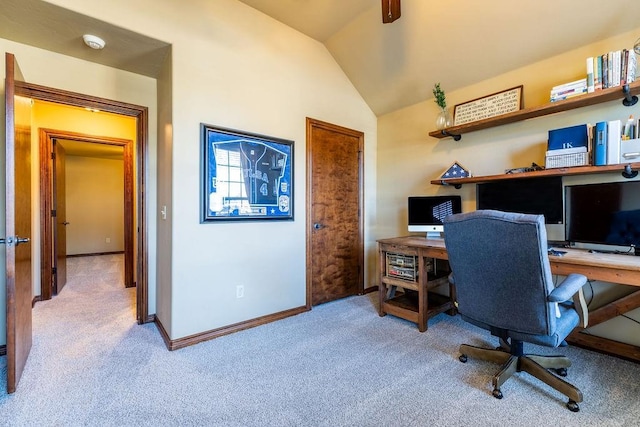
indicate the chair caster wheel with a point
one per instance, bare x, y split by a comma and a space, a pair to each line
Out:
498, 394
463, 358
561, 372
573, 406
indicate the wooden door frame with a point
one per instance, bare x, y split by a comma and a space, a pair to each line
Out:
141, 114
47, 136
314, 123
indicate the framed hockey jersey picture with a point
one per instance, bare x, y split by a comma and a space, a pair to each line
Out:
245, 176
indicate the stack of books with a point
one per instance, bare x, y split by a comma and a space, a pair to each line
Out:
568, 90
612, 69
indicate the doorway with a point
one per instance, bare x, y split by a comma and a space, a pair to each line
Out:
53, 220
335, 249
138, 211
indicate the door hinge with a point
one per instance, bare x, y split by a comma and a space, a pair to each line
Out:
53, 155
54, 270
53, 213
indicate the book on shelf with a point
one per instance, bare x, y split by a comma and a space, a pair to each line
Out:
580, 83
562, 97
568, 90
605, 71
590, 75
632, 64
600, 144
569, 137
614, 132
597, 71
610, 82
624, 60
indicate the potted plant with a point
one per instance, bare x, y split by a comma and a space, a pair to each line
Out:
444, 119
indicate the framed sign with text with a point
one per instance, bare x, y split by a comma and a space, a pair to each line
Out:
496, 104
245, 176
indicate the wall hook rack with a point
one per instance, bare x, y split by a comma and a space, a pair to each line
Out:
628, 172
629, 99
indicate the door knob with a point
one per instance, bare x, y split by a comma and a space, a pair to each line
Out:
318, 226
11, 240
21, 240
65, 223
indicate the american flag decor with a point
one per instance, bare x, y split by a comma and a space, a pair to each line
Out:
455, 171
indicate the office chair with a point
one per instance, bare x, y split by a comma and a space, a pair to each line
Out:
500, 269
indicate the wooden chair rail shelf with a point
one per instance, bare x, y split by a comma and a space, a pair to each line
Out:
594, 98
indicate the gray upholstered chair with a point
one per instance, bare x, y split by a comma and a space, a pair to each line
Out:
500, 268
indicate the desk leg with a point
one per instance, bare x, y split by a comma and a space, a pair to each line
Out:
423, 295
382, 295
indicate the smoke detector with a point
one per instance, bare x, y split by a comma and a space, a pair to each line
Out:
94, 42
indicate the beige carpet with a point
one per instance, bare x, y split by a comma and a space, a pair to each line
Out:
338, 365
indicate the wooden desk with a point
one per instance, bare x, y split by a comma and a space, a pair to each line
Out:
613, 268
411, 263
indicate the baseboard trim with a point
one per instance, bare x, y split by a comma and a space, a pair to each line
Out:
95, 254
226, 330
3, 350
370, 289
36, 299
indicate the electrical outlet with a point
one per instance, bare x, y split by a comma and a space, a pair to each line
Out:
108, 240
240, 291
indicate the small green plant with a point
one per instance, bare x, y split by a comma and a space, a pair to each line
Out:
438, 93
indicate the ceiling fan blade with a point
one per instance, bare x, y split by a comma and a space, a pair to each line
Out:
390, 11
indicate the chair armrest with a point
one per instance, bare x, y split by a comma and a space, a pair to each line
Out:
567, 288
580, 304
571, 288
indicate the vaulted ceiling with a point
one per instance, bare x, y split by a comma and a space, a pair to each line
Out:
454, 42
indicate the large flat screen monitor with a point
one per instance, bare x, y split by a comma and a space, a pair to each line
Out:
606, 214
523, 195
425, 213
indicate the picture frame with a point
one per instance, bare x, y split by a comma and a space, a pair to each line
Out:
244, 176
496, 104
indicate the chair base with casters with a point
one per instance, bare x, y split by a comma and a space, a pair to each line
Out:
513, 360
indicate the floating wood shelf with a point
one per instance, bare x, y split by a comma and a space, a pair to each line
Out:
594, 98
576, 170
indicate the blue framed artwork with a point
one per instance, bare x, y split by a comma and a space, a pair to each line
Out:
245, 176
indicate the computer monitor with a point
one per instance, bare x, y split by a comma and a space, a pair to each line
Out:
425, 213
542, 195
604, 214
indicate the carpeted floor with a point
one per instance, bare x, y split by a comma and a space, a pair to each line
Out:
338, 365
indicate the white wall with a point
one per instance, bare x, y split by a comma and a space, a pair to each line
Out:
74, 75
94, 205
408, 159
237, 68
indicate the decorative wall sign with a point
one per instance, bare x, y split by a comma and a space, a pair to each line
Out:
245, 176
493, 105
